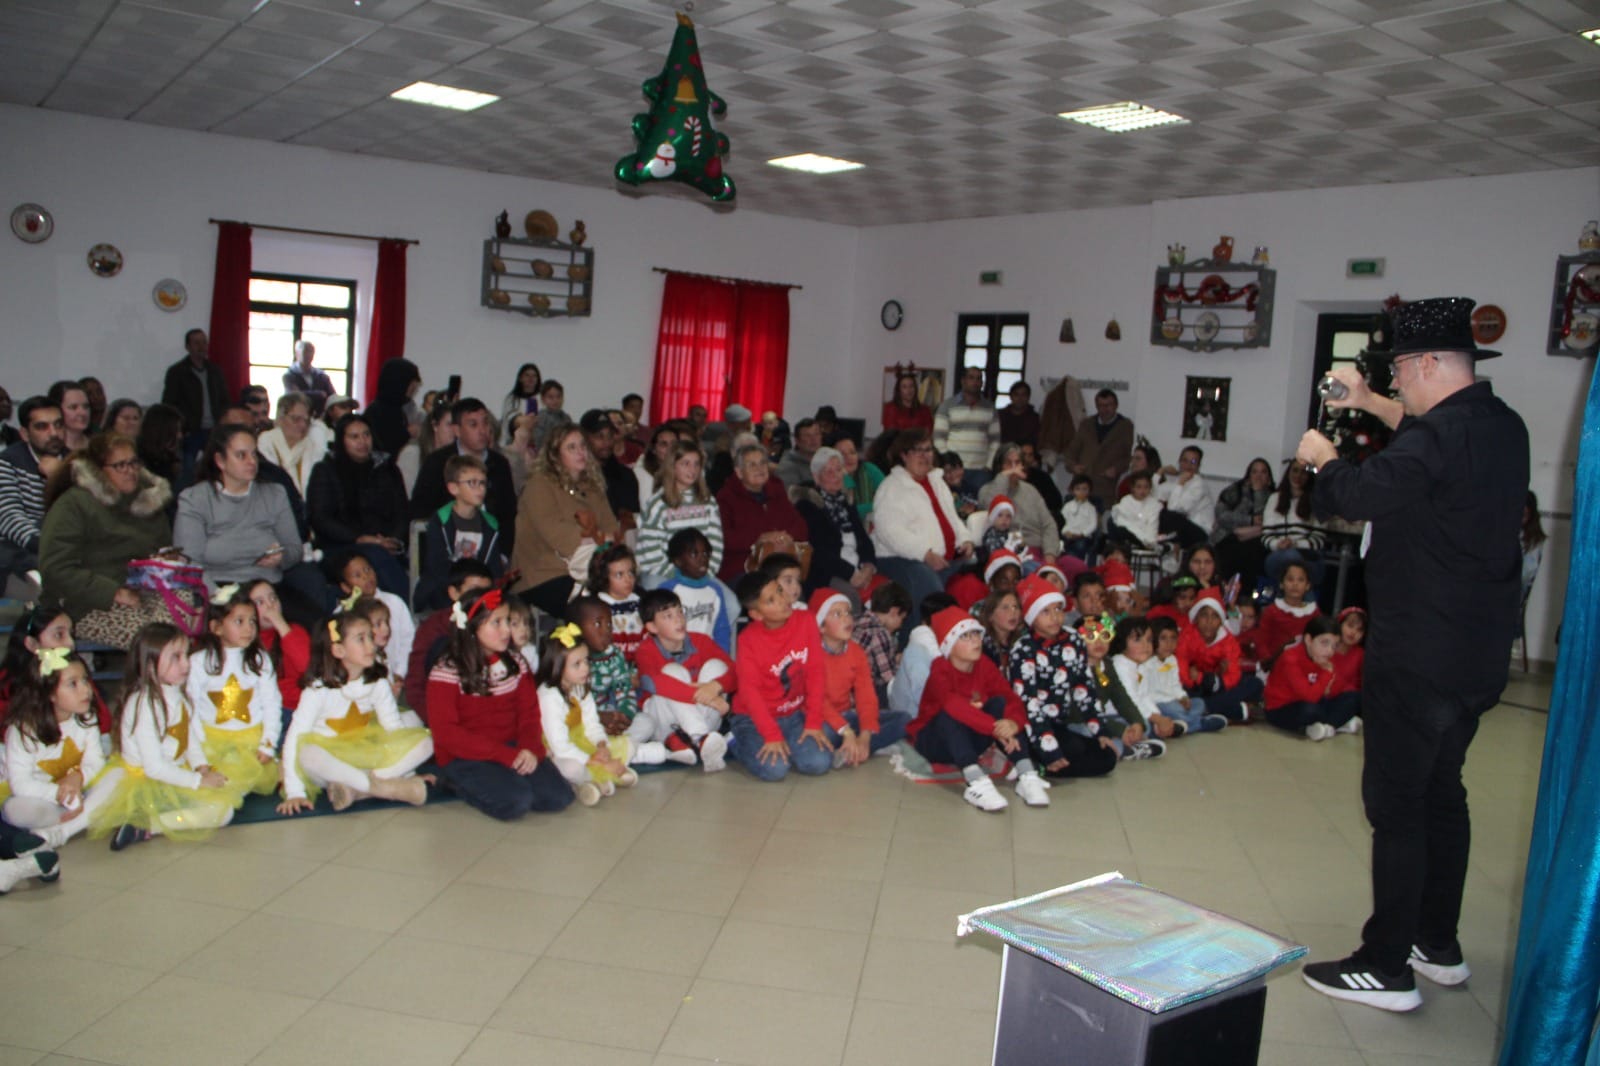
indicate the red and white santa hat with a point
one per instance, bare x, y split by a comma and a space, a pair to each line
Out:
950, 625
1001, 503
999, 558
1208, 600
822, 602
1047, 569
1036, 595
1116, 575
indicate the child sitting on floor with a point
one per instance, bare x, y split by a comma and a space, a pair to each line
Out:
614, 577
684, 682
1350, 656
1120, 716
852, 721
593, 763
355, 573
1080, 522
234, 692
777, 708
1209, 662
1305, 692
1285, 617
922, 650
886, 612
52, 759
1164, 682
433, 635
613, 682
697, 589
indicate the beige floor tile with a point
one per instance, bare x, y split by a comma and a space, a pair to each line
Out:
598, 829
1040, 873
731, 796
790, 897
487, 917
784, 956
962, 827
93, 862
640, 938
964, 974
434, 979
914, 862
33, 911
684, 1060
494, 1047
230, 878
899, 1034
691, 840
924, 913
356, 1036
35, 985
148, 1029
402, 846
552, 869
18, 1056
365, 899
873, 818
283, 954
760, 1026
579, 1001
696, 888
152, 932
1450, 1026
825, 854
1277, 1053
318, 839
1296, 1014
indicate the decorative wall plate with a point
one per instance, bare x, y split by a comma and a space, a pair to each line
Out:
32, 223
1207, 326
1488, 324
541, 225
169, 294
542, 269
1172, 328
1584, 333
105, 260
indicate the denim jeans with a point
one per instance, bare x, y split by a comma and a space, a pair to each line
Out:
501, 792
1190, 716
1229, 701
891, 729
917, 578
805, 756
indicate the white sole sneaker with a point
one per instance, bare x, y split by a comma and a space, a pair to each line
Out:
713, 752
984, 796
1352, 726
1446, 974
1033, 790
1319, 731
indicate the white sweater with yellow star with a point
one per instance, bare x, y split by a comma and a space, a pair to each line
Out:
236, 697
35, 770
332, 712
160, 738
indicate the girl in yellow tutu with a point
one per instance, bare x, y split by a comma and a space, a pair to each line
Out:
346, 735
159, 780
593, 763
233, 689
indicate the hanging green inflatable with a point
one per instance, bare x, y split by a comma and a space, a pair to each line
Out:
675, 139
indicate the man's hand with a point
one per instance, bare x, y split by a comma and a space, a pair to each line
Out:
1315, 450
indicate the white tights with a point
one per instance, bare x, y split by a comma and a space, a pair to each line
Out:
324, 768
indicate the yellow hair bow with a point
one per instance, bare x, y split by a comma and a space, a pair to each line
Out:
333, 631
568, 635
350, 600
53, 659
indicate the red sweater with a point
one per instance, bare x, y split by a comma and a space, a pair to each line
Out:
1297, 678
292, 662
781, 673
1167, 610
652, 660
897, 417
954, 692
490, 728
1348, 664
1221, 656
744, 518
433, 627
849, 688
1279, 629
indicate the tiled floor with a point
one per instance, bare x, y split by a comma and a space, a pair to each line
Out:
713, 919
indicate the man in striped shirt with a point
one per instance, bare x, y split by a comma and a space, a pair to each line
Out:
24, 468
966, 424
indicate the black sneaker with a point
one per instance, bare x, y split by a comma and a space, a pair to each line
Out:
1353, 979
1442, 966
127, 836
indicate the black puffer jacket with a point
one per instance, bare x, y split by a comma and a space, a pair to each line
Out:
347, 500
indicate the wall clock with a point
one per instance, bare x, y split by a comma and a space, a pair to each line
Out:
892, 314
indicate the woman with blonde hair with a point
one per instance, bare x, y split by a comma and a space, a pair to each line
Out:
561, 515
682, 501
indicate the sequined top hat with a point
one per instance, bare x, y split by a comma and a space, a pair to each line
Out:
1439, 325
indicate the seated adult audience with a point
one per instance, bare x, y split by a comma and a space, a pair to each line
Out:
125, 417
96, 393
842, 555
1040, 478
917, 535
756, 515
268, 472
1289, 525
307, 380
253, 398
25, 467
1239, 512
682, 502
622, 488
9, 434
551, 416
73, 402
562, 515
438, 430
1101, 447
794, 469
647, 471
358, 502
389, 414
1019, 422
292, 443
114, 511
721, 442
1144, 459
474, 430
861, 478
906, 410
1187, 496
1035, 521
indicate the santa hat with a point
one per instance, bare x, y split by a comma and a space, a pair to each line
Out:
1001, 503
822, 602
1048, 569
1210, 599
950, 625
999, 558
1116, 575
1037, 594
1348, 611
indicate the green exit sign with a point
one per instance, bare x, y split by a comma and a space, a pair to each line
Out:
989, 277
1363, 268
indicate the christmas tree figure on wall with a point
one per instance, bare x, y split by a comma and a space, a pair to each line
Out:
676, 141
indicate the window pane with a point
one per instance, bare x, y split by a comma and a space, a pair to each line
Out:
1014, 336
1010, 358
271, 339
1001, 400
328, 334
1004, 383
978, 357
325, 295
978, 334
278, 292
341, 381
269, 378
1348, 345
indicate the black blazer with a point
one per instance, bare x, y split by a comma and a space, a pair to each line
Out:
827, 542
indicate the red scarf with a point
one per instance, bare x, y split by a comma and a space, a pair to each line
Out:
945, 529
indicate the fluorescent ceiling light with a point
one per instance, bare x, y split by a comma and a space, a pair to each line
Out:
1124, 117
1592, 36
426, 92
812, 163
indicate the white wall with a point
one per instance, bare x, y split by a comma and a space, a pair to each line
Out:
150, 190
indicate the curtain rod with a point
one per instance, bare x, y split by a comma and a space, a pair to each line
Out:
720, 277
314, 232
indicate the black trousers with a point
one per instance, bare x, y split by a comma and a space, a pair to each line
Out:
501, 792
1085, 756
946, 740
1416, 736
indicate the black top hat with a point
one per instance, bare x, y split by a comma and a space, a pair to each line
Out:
1439, 325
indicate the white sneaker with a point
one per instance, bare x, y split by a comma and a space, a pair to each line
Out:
588, 793
712, 751
628, 778
607, 788
983, 795
1032, 790
1352, 726
1319, 731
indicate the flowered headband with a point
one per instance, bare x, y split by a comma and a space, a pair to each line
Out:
568, 635
1097, 630
224, 594
52, 659
460, 615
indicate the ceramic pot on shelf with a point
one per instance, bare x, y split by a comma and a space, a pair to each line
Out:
1222, 251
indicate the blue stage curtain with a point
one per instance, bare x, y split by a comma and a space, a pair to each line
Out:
1557, 974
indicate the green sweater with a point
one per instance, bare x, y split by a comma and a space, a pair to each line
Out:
90, 534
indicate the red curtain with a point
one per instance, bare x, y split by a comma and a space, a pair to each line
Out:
694, 347
230, 306
760, 348
387, 338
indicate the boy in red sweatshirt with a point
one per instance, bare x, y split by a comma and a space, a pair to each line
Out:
684, 682
851, 718
777, 707
967, 708
1208, 662
1306, 692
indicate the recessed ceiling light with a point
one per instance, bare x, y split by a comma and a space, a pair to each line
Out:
1124, 117
1592, 36
812, 163
426, 92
